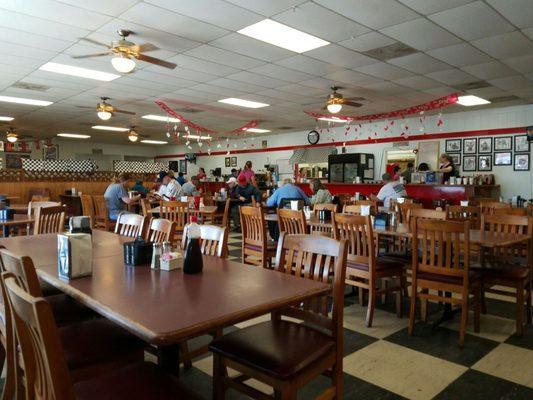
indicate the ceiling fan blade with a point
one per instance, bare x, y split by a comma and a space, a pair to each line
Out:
141, 48
352, 104
354, 98
88, 108
92, 55
157, 61
95, 42
123, 111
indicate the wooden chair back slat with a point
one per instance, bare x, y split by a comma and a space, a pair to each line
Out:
87, 207
516, 224
49, 220
225, 216
488, 207
423, 213
145, 207
131, 225
22, 269
213, 240
351, 209
472, 214
33, 205
403, 211
325, 206
292, 222
254, 235
177, 212
160, 230
359, 236
521, 212
394, 202
100, 207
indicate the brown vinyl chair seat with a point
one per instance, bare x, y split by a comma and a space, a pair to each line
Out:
96, 341
398, 257
271, 246
136, 382
509, 272
66, 310
277, 348
473, 278
382, 264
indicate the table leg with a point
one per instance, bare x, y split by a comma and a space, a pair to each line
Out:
6, 230
168, 358
447, 314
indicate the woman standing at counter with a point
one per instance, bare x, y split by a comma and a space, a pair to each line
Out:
320, 193
447, 167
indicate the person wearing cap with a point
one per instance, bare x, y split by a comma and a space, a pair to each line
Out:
244, 192
170, 188
390, 190
181, 178
231, 187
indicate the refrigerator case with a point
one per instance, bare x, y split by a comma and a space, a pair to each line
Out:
345, 168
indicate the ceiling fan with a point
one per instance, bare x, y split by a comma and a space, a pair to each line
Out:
124, 51
11, 135
335, 101
105, 111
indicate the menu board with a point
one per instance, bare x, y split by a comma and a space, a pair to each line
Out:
428, 152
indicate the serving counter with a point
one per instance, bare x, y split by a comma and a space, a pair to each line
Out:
426, 194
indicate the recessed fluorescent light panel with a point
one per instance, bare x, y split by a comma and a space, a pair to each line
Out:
153, 142
110, 128
77, 71
471, 101
30, 102
243, 103
338, 120
257, 130
163, 118
74, 135
196, 137
283, 36
7, 118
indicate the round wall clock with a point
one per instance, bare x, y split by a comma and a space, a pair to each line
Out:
313, 137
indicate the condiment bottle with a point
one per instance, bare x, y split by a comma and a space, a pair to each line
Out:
156, 256
192, 260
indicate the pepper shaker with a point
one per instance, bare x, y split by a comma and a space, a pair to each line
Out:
156, 256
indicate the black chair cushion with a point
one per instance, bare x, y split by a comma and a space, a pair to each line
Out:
277, 348
512, 273
382, 263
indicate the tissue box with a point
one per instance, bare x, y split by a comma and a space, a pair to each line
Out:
74, 255
170, 261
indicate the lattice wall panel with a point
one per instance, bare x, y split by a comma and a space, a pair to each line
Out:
139, 167
59, 165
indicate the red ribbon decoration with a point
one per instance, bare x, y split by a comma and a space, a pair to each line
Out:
23, 146
432, 105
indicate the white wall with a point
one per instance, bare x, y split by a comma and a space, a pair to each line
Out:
512, 182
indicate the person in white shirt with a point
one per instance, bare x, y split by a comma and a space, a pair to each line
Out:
170, 188
390, 190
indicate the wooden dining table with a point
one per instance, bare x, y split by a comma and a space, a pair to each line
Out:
207, 210
17, 220
166, 307
312, 221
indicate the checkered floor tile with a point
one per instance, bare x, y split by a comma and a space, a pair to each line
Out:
384, 362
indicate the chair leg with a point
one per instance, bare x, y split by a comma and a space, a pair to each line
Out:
371, 304
412, 310
219, 376
424, 307
477, 306
361, 296
464, 320
520, 310
184, 352
337, 381
289, 392
483, 302
528, 304
399, 297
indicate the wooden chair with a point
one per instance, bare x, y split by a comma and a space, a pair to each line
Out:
393, 205
424, 213
363, 268
472, 214
87, 207
131, 225
351, 209
37, 197
39, 193
372, 203
49, 220
47, 375
512, 266
283, 354
177, 212
441, 263
292, 222
213, 240
33, 205
521, 212
145, 207
489, 206
256, 248
101, 214
403, 211
161, 230
325, 206
221, 218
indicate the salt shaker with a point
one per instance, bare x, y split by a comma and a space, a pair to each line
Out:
156, 256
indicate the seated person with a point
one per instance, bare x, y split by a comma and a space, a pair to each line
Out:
407, 173
244, 192
320, 193
170, 188
391, 190
139, 188
189, 188
231, 188
396, 173
116, 196
181, 178
287, 191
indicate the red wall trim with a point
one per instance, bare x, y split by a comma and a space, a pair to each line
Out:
426, 136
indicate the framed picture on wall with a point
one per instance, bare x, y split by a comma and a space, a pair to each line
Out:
51, 152
503, 158
456, 158
233, 161
469, 146
521, 162
503, 143
227, 162
469, 163
521, 144
453, 145
484, 163
484, 145
183, 166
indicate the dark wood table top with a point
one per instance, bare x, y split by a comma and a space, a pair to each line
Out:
19, 208
18, 219
201, 210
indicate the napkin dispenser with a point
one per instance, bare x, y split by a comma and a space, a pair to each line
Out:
80, 224
382, 220
74, 255
6, 213
138, 252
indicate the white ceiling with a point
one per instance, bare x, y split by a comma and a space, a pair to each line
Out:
458, 42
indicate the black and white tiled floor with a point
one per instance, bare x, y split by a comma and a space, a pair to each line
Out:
384, 362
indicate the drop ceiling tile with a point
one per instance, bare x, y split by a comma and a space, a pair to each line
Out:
419, 63
440, 91
301, 90
162, 78
341, 56
384, 71
221, 91
171, 22
312, 18
460, 55
29, 52
376, 14
519, 12
472, 21
187, 93
257, 79
418, 82
487, 92
351, 77
220, 56
113, 8
236, 85
528, 32
513, 44
427, 7
31, 40
320, 83
267, 7
386, 88
19, 64
511, 82
451, 77
367, 41
278, 94
523, 64
489, 70
205, 66
421, 34
251, 47
308, 65
282, 73
216, 12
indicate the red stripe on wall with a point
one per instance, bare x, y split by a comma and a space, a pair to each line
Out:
426, 136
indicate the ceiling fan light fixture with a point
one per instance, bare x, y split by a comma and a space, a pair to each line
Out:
12, 137
334, 108
104, 115
133, 136
123, 64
